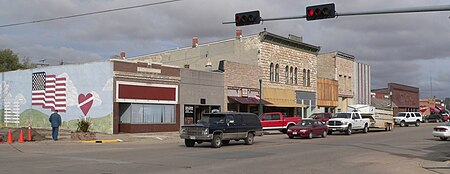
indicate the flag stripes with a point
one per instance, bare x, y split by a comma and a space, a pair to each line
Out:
49, 91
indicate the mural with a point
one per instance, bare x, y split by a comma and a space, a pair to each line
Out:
76, 91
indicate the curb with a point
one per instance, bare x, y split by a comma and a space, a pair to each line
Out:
102, 141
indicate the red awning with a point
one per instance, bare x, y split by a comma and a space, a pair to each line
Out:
248, 100
434, 110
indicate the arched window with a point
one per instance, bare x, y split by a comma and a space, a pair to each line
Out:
292, 75
271, 72
295, 76
304, 77
277, 73
309, 77
287, 74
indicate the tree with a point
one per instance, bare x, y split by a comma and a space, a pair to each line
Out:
9, 61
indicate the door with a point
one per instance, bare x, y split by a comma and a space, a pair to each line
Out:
231, 127
316, 127
272, 121
356, 121
410, 118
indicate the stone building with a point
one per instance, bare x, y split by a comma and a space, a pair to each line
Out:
339, 66
287, 68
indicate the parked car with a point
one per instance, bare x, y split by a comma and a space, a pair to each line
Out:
324, 117
278, 121
433, 118
443, 132
347, 122
220, 128
308, 128
445, 117
407, 118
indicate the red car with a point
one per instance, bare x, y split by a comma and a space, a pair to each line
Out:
324, 117
445, 117
308, 128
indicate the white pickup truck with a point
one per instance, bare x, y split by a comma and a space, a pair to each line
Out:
347, 122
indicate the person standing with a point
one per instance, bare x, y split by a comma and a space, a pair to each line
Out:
55, 120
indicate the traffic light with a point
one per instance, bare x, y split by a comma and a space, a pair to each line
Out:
247, 18
323, 11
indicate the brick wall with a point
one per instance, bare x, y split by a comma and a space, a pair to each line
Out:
326, 66
241, 75
345, 72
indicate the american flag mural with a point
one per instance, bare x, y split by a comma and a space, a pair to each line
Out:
49, 91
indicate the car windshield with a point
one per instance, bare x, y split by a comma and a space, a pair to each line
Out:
342, 115
400, 114
212, 119
305, 123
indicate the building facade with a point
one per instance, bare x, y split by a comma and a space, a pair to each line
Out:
286, 67
406, 98
339, 66
362, 81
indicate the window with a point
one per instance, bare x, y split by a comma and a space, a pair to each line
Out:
271, 72
292, 75
277, 73
308, 76
287, 74
304, 77
148, 114
295, 76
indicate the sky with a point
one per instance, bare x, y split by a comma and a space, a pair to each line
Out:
410, 49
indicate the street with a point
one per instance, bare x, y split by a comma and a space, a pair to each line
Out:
403, 150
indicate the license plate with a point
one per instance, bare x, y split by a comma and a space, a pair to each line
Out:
333, 129
295, 133
192, 137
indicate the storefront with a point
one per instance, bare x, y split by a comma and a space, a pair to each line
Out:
283, 100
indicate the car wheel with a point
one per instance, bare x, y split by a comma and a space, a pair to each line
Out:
426, 121
189, 143
330, 132
324, 134
349, 130
216, 141
225, 142
249, 139
291, 137
402, 124
366, 129
443, 138
310, 135
437, 120
417, 123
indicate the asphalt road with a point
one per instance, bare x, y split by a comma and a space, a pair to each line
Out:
404, 150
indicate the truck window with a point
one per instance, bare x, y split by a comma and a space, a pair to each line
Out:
276, 117
355, 116
401, 114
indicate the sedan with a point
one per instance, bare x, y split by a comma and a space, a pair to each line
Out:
308, 128
443, 132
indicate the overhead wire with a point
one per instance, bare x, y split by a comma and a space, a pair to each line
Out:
89, 13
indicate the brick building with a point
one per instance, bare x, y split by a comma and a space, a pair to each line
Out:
286, 66
406, 98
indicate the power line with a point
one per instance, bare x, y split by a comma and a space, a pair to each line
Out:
90, 13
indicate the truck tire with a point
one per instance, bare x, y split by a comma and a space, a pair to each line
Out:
426, 120
366, 128
443, 138
402, 124
291, 137
417, 123
249, 139
216, 142
330, 132
189, 143
349, 130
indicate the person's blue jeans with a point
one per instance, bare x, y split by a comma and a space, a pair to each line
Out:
55, 133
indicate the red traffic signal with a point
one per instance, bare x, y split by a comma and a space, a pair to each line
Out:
247, 18
323, 11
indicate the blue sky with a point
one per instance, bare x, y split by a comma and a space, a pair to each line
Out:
405, 48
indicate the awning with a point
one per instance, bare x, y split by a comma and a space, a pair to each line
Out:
248, 100
434, 110
281, 97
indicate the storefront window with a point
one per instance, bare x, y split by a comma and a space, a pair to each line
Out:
147, 113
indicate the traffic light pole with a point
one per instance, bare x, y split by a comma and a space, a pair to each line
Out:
371, 12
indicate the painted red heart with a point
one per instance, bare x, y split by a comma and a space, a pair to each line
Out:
85, 102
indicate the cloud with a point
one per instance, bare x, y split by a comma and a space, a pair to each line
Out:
392, 44
21, 99
97, 99
108, 85
71, 91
